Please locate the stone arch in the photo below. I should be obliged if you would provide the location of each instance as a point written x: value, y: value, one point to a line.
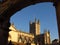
x: 15, y: 5
x: 9, y: 7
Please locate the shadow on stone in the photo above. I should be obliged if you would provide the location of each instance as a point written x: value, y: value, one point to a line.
x: 10, y: 43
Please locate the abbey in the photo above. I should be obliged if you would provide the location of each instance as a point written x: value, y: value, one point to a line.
x: 34, y: 37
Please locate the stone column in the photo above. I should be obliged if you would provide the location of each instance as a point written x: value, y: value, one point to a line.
x: 57, y: 6
x: 4, y: 30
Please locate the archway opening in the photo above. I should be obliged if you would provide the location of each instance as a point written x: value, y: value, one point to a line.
x: 45, y: 12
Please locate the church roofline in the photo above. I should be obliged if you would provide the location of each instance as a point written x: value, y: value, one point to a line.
x: 16, y: 30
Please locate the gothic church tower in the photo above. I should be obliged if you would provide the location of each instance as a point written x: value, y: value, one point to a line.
x: 47, y: 37
x: 35, y: 27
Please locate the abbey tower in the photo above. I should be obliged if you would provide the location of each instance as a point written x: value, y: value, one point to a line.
x: 35, y: 27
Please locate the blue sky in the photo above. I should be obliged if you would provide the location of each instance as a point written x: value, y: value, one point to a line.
x: 45, y: 12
